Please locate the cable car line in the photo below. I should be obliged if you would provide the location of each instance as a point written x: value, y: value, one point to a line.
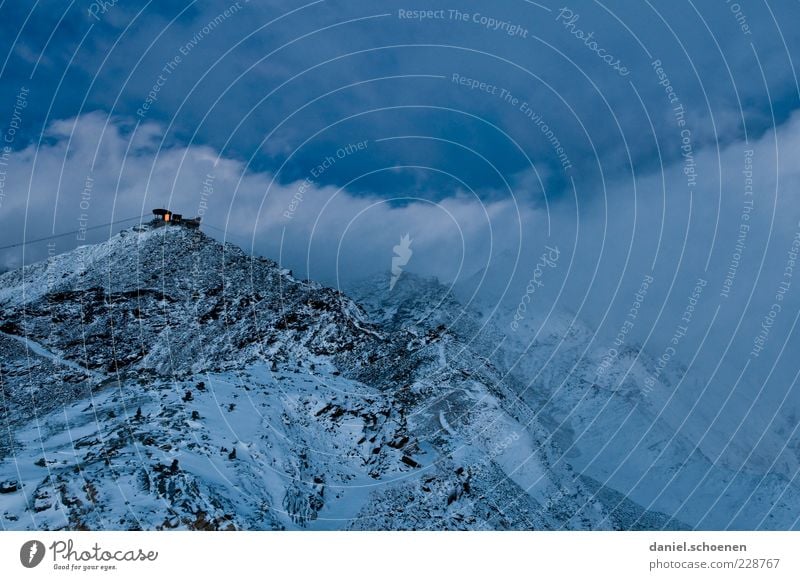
x: 54, y: 236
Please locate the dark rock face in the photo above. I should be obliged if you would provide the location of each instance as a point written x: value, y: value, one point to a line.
x: 9, y: 486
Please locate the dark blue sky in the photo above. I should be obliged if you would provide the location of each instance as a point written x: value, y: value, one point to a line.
x: 278, y: 81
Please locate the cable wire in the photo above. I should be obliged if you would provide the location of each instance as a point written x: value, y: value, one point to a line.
x: 54, y: 236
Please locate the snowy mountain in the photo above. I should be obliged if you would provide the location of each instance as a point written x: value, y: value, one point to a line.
x: 163, y: 380
x: 640, y: 429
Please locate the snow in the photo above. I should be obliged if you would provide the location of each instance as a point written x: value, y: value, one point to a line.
x: 309, y: 410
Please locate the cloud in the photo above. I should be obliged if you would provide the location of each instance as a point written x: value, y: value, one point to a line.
x: 129, y: 175
x: 620, y: 232
x: 97, y: 169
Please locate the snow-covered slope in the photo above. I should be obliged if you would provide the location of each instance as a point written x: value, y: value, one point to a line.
x: 163, y: 380
x: 424, y: 306
x: 640, y: 429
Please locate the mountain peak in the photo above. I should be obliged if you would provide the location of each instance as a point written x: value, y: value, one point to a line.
x: 163, y: 298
